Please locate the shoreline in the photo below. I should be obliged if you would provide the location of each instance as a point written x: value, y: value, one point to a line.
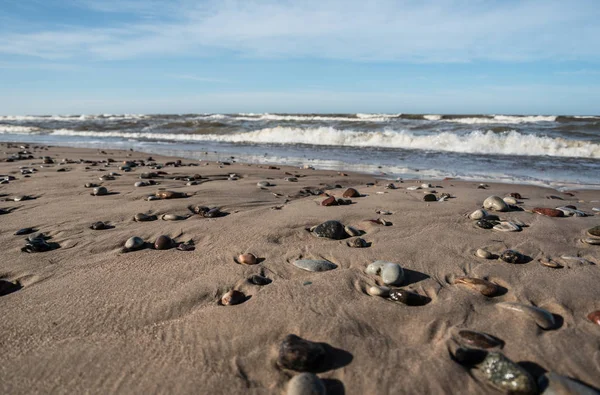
x: 90, y: 318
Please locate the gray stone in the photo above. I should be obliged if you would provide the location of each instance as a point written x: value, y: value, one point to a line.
x: 555, y: 384
x: 314, y: 265
x: 506, y: 375
x: 134, y: 243
x: 306, y: 384
x: 495, y: 203
x: 375, y: 268
x: 330, y: 229
x: 543, y: 318
x: 392, y: 274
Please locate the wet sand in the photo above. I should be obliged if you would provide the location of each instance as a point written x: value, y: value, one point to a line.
x: 89, y: 318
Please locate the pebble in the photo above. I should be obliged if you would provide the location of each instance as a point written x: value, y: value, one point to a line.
x: 259, y: 280
x: 291, y: 179
x: 594, y: 316
x: 233, y: 297
x: 350, y: 193
x: 549, y: 212
x: 486, y: 224
x: 509, y: 200
x: 516, y: 195
x: 391, y: 273
x: 170, y: 195
x: 430, y: 197
x: 330, y: 229
x: 485, y: 254
x: 141, y: 184
x: 151, y: 198
x: 247, y: 259
x: 99, y: 226
x: 263, y: 184
x: 141, y: 217
x: 571, y: 212
x: 485, y: 287
x: 495, y: 203
x: 306, y: 384
x: 408, y: 298
x: 375, y: 268
x: 390, y: 186
x: 377, y: 290
x: 554, y: 384
x: 479, y: 339
x: 163, y: 243
x: 24, y: 231
x: 426, y: 186
x: 173, y: 217
x: 554, y: 197
x: 7, y: 287
x: 330, y: 201
x: 99, y: 191
x: 512, y: 256
x: 478, y: 214
x: 543, y: 318
x: 134, y: 243
x: 506, y: 375
x: 591, y: 241
x: 314, y: 265
x: 594, y: 232
x: 296, y: 353
x: 357, y: 243
x: 507, y: 226
x: 550, y: 263
x: 90, y: 185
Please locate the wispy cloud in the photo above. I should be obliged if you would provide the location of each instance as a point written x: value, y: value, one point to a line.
x: 385, y: 30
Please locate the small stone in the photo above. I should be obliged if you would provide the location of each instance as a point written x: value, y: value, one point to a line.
x: 233, y: 297
x: 511, y: 256
x: 357, y: 243
x: 330, y: 201
x: 376, y: 290
x: 100, y: 191
x: 263, y: 184
x: 392, y: 274
x: 134, y: 243
x: 571, y: 212
x: 408, y: 298
x: 247, y: 259
x: 173, y: 217
x: 554, y: 384
x: 375, y: 268
x: 291, y: 179
x: 151, y: 198
x: 478, y: 214
x: 390, y: 186
x: 516, y: 195
x: 506, y: 375
x: 350, y: 193
x: 141, y: 217
x: 24, y: 231
x: 343, y: 202
x: 549, y: 212
x: 550, y: 263
x: 314, y: 265
x: 141, y: 184
x: 300, y: 355
x: 543, y: 318
x: 413, y: 188
x: 306, y: 384
x: 170, y: 195
x: 99, y: 226
x: 594, y: 232
x: 430, y: 197
x: 484, y: 287
x: 259, y: 280
x: 383, y: 212
x: 594, y: 316
x: 163, y: 243
x: 507, y: 226
x: 426, y: 186
x: 510, y: 200
x: 352, y: 231
x: 591, y: 241
x: 495, y: 203
x: 481, y: 253
x: 479, y: 339
x: 330, y: 229
x: 486, y: 224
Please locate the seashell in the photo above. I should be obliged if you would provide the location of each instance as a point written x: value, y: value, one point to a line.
x: 550, y: 263
x: 350, y: 193
x: 357, y: 243
x: 594, y: 232
x: 247, y: 259
x: 134, y: 243
x: 594, y: 316
x: 306, y: 384
x: 259, y: 280
x: 478, y: 214
x: 571, y: 212
x: 549, y: 212
x: 392, y: 273
x: 495, y: 203
x: 163, y: 243
x: 408, y: 298
x: 296, y: 353
x: 170, y: 195
x: 99, y: 191
x: 506, y: 375
x: 141, y: 217
x: 591, y: 241
x: 233, y: 297
x: 173, y: 217
x: 511, y: 256
x: 543, y: 318
x: 509, y: 200
x: 330, y: 229
x: 481, y: 253
x: 430, y: 197
x: 314, y: 265
x: 507, y: 226
x: 99, y: 226
x: 555, y: 384
x: 378, y: 291
x: 330, y: 201
x: 479, y: 339
x: 485, y: 287
x: 263, y: 184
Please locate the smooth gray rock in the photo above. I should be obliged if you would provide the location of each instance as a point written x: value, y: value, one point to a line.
x: 314, y: 265
x: 555, y: 384
x: 306, y: 384
x: 495, y: 203
x: 375, y: 268
x: 134, y: 243
x: 392, y: 274
x: 543, y: 318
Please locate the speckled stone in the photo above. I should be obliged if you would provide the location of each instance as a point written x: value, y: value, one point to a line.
x: 506, y: 375
x: 306, y: 384
x: 358, y: 242
x: 331, y: 230
x: 314, y: 265
x: 549, y: 212
x: 296, y: 353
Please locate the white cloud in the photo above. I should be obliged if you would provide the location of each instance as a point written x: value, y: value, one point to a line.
x: 380, y: 30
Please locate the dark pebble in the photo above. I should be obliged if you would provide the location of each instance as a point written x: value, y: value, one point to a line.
x: 331, y: 229
x: 24, y: 231
x: 259, y: 280
x: 300, y: 355
x: 408, y: 298
x: 511, y: 256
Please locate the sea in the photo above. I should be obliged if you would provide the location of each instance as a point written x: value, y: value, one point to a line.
x: 562, y: 152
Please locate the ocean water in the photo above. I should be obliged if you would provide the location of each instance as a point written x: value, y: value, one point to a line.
x: 556, y: 151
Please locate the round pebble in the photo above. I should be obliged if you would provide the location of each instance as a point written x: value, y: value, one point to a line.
x: 233, y: 297
x: 350, y: 193
x: 306, y: 384
x: 263, y: 184
x: 495, y: 203
x: 485, y: 254
x: 99, y: 191
x: 379, y: 291
x: 134, y: 243
x: 247, y: 259
x: 163, y: 242
x: 478, y: 214
x: 392, y: 274
x: 430, y: 197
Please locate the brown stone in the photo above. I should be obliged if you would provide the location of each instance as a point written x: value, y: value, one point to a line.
x: 163, y: 243
x: 479, y: 339
x: 549, y: 212
x: 350, y: 193
x: 233, y: 297
x: 330, y: 201
x: 485, y: 287
x: 170, y: 195
x: 247, y: 259
x: 594, y: 316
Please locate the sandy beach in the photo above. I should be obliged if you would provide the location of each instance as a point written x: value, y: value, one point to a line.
x: 86, y: 317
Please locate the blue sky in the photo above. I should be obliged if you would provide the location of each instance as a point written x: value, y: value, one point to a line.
x: 180, y: 56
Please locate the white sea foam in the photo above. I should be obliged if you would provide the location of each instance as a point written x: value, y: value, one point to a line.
x: 432, y: 117
x: 478, y: 142
x: 302, y: 118
x: 503, y: 119
x: 12, y: 129
x: 74, y: 118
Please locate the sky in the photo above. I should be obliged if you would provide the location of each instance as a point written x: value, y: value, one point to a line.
x: 310, y: 56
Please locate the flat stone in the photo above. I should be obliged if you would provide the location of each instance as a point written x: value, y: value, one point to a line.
x: 479, y: 339
x: 507, y: 226
x: 314, y: 265
x: 141, y: 217
x: 550, y: 263
x: 478, y: 214
x: 506, y: 375
x: 259, y: 280
x: 481, y: 253
x: 549, y: 212
x: 350, y: 193
x: 509, y: 200
x: 486, y: 288
x: 300, y: 355
x: 495, y: 203
x: 330, y: 229
x: 554, y: 384
x: 377, y: 290
x: 392, y: 274
x: 543, y: 318
x: 486, y: 224
x: 594, y: 232
x: 330, y: 201
x: 306, y: 384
